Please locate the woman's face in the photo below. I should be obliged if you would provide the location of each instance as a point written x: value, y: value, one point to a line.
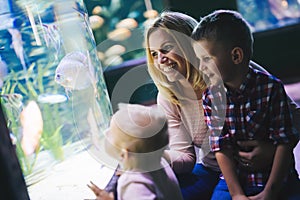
x: 166, y: 55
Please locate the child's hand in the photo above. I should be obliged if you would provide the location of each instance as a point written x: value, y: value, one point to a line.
x: 260, y: 157
x: 240, y: 197
x: 100, y: 194
x: 264, y: 196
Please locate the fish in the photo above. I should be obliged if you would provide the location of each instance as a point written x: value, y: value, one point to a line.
x: 32, y: 127
x: 97, y: 10
x: 76, y: 72
x: 13, y: 102
x: 119, y: 34
x: 51, y: 98
x: 128, y: 23
x: 3, y: 71
x: 115, y: 50
x: 96, y: 21
x: 17, y: 45
x: 150, y: 14
x: 52, y: 37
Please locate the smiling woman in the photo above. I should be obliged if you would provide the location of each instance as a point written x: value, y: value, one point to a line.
x: 166, y: 55
x: 181, y: 100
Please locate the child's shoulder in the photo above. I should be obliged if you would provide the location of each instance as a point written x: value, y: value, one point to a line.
x: 263, y: 76
x: 130, y: 177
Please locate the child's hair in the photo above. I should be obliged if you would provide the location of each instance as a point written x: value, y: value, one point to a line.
x: 227, y: 27
x: 144, y: 128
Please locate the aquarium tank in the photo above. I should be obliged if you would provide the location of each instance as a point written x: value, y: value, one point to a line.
x: 264, y: 15
x: 118, y: 27
x: 52, y: 86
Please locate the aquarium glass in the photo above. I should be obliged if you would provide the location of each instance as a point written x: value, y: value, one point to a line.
x: 118, y: 26
x: 266, y: 15
x: 52, y: 86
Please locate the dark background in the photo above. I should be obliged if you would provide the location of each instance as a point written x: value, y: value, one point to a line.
x: 277, y: 50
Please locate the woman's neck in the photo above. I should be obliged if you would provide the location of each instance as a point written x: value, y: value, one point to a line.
x: 183, y: 89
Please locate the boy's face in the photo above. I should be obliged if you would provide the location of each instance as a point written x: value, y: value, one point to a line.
x: 215, y: 61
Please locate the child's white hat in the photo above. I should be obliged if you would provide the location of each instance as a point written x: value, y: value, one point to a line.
x: 139, y: 121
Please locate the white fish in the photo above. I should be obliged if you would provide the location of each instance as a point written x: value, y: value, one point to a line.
x: 51, y: 98
x: 3, y: 71
x: 150, y: 14
x: 32, y: 127
x: 17, y: 45
x: 128, y: 23
x: 75, y: 72
x: 97, y: 10
x: 52, y: 37
x: 13, y: 102
x: 96, y: 21
x: 115, y: 50
x: 119, y: 34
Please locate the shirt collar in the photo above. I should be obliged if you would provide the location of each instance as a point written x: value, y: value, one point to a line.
x: 243, y: 86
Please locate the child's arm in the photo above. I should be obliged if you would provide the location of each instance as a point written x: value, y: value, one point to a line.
x: 228, y: 168
x: 281, y: 165
x: 282, y: 132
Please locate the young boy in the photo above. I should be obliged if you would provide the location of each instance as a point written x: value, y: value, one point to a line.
x: 255, y: 108
x: 137, y: 137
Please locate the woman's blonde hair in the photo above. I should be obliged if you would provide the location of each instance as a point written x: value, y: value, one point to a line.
x: 180, y: 27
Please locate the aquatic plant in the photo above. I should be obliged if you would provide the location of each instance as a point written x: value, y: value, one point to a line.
x: 41, y: 35
x: 28, y: 85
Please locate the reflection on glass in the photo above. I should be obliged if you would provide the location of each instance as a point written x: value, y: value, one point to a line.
x: 52, y: 87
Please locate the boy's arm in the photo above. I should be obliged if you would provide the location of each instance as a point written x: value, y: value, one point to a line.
x: 280, y: 167
x: 285, y: 137
x: 228, y: 168
x: 215, y: 117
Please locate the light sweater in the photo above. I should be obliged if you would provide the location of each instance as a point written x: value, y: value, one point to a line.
x: 160, y: 184
x: 187, y: 132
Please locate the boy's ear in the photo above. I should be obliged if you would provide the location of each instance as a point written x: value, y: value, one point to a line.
x: 237, y: 55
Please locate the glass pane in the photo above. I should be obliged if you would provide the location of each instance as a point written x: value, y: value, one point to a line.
x: 52, y: 86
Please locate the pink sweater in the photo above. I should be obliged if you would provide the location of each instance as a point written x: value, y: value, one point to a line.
x: 188, y: 132
x: 153, y: 185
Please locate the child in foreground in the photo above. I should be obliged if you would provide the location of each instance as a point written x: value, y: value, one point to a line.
x: 137, y: 137
x: 255, y: 107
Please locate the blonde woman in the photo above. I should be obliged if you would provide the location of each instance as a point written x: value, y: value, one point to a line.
x: 173, y: 67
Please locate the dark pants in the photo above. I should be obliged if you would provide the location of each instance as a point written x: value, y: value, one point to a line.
x: 290, y: 190
x: 199, y: 184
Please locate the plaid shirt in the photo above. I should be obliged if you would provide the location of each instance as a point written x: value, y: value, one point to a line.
x: 259, y: 110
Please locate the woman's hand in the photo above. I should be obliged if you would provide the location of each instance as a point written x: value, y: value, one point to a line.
x: 260, y: 157
x: 100, y: 194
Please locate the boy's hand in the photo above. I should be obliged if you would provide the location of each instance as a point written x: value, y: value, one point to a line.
x: 260, y: 157
x: 264, y: 196
x: 100, y: 194
x: 240, y: 197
